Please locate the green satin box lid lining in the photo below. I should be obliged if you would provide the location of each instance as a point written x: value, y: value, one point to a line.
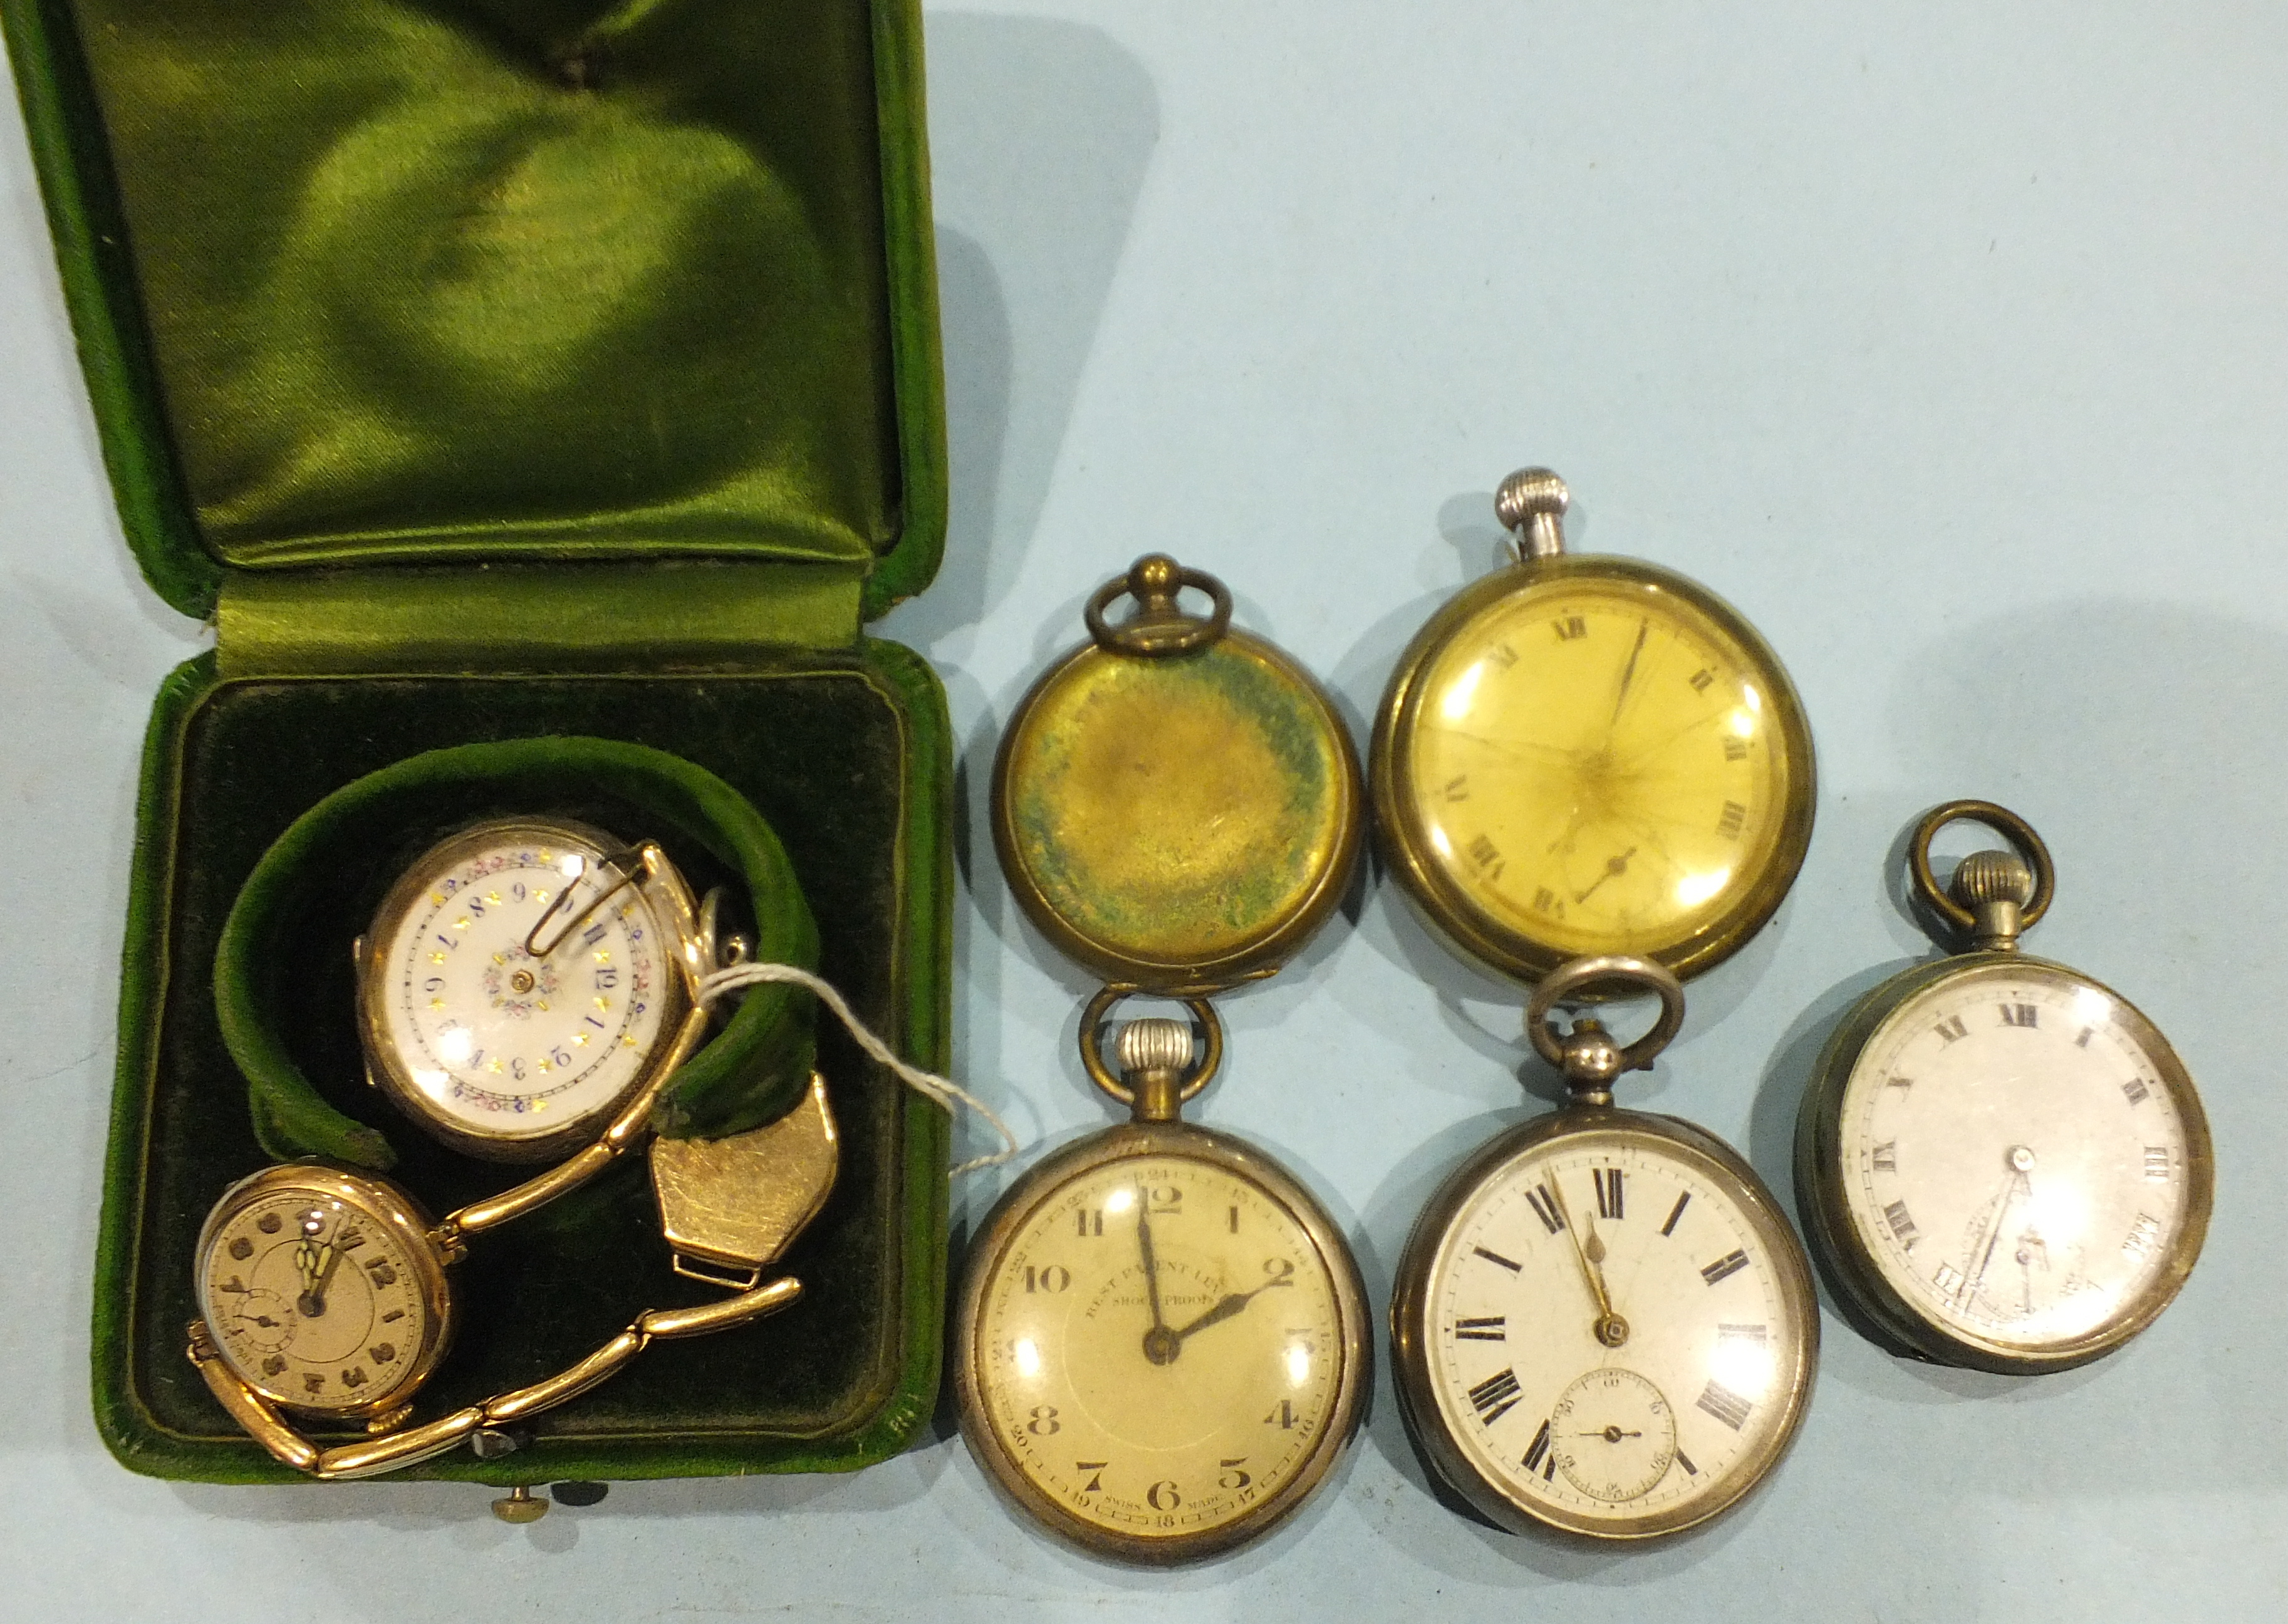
x: 365, y: 284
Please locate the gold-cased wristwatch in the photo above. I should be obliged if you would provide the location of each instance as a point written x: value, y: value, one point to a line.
x: 323, y: 1291
x: 1586, y: 754
x: 323, y: 1297
x: 2002, y: 1162
x: 530, y: 984
x: 522, y: 981
x: 1161, y: 1348
x: 1601, y: 1323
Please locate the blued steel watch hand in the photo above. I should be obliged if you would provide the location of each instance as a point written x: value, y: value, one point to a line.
x: 1230, y: 1303
x: 1614, y: 867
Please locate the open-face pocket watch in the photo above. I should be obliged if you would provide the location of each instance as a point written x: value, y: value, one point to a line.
x: 1602, y: 1323
x: 1584, y: 754
x: 2003, y: 1165
x: 1161, y: 1349
x: 529, y: 985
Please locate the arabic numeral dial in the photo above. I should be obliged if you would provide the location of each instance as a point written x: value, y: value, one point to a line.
x: 1167, y: 1350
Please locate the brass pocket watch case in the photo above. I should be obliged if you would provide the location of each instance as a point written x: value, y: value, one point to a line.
x: 1161, y: 1349
x: 1585, y: 755
x: 2001, y: 1162
x: 1601, y: 1323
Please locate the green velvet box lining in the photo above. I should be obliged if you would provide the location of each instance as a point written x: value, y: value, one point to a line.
x: 848, y: 759
x: 392, y: 282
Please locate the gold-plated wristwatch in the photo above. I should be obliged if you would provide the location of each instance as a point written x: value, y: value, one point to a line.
x: 529, y: 985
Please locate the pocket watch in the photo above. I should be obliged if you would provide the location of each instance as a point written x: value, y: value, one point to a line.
x: 1602, y: 1322
x: 1161, y: 1348
x: 523, y: 981
x: 1585, y: 755
x: 2003, y: 1164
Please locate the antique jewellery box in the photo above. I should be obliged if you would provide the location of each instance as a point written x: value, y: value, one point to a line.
x: 553, y: 377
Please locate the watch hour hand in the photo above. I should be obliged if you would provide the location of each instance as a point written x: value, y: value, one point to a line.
x: 1611, y: 1330
x: 1227, y: 1305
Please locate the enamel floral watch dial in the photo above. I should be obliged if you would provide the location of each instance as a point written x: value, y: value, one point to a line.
x: 1588, y: 755
x: 2005, y: 1162
x: 500, y: 1050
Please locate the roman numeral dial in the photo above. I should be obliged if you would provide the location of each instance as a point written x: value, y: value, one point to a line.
x: 1570, y: 1425
x: 2023, y: 1194
x: 1627, y: 766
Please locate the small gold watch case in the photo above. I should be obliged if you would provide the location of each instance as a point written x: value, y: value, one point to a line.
x: 1161, y: 1350
x: 1585, y: 753
x: 2001, y: 1162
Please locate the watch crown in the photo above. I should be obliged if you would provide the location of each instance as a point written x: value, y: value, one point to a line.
x: 1995, y: 886
x: 1155, y: 1044
x: 1531, y: 505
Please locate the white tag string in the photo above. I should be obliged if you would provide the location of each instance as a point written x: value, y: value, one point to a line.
x: 946, y: 1093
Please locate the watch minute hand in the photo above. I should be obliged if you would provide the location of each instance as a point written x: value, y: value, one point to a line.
x: 1151, y: 1263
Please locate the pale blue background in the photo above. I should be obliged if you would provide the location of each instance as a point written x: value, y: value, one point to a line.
x: 1949, y: 341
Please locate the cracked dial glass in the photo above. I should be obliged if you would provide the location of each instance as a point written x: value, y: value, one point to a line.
x: 1160, y: 1348
x: 1597, y: 765
x: 2015, y: 1161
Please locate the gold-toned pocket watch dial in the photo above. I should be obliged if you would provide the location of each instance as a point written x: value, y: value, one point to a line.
x: 502, y: 1051
x: 1586, y: 756
x: 1605, y: 1328
x: 1163, y: 1350
x: 2024, y: 1163
x: 322, y: 1291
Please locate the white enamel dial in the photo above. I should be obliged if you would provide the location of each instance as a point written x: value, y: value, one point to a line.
x: 2014, y: 1160
x: 484, y: 1040
x: 1618, y: 1334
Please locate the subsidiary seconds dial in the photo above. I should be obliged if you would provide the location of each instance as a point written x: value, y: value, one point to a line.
x: 2018, y: 1168
x: 1615, y: 1342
